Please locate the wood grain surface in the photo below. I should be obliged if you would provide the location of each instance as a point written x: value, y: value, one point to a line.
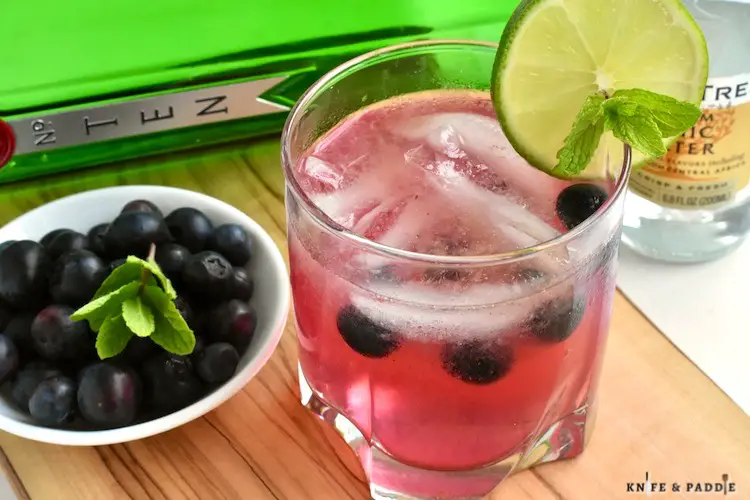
x: 658, y: 413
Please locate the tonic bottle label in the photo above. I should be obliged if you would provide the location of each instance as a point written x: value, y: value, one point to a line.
x: 710, y: 163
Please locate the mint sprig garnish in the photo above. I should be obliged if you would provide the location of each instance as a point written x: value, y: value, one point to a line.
x: 581, y: 143
x: 634, y: 124
x: 637, y: 117
x: 136, y: 299
x: 672, y: 117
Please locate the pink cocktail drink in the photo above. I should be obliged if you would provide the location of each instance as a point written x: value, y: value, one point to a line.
x: 451, y: 301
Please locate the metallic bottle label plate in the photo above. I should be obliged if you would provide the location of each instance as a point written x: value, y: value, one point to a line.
x: 144, y: 116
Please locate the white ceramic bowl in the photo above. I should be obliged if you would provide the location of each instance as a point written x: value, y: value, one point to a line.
x: 271, y: 300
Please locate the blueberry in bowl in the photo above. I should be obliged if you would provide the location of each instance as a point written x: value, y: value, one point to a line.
x: 112, y: 319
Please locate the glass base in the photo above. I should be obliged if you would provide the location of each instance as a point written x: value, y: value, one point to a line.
x: 392, y: 480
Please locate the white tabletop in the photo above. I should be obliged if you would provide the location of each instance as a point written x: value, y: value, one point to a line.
x: 704, y: 309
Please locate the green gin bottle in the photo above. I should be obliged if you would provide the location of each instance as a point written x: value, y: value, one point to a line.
x: 86, y: 83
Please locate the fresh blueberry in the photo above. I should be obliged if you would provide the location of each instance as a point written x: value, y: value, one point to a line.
x: 56, y: 336
x: 363, y: 335
x: 53, y: 401
x: 233, y: 322
x: 24, y: 269
x: 132, y: 233
x: 27, y: 380
x: 200, y: 345
x: 138, y: 350
x: 65, y: 242
x: 557, y: 319
x: 114, y: 265
x: 208, y: 275
x: 47, y: 238
x: 170, y: 383
x: 141, y: 206
x: 217, y: 362
x: 108, y: 268
x: 578, y: 202
x: 76, y: 278
x: 233, y: 242
x: 190, y: 228
x: 171, y: 258
x: 6, y: 244
x: 9, y: 358
x: 186, y: 311
x: 96, y: 240
x: 109, y: 394
x: 201, y: 321
x: 242, y: 284
x: 477, y: 362
x: 5, y: 316
x: 18, y: 330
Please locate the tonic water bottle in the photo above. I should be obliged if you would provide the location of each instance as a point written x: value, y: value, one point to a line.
x: 693, y: 204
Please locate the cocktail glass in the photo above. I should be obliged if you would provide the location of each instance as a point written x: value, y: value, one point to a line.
x: 451, y: 318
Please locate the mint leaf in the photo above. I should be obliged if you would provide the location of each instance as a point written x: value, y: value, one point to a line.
x: 98, y: 310
x: 171, y: 339
x: 138, y: 316
x: 92, y: 307
x: 171, y: 331
x: 634, y: 124
x: 583, y: 140
x: 154, y: 268
x: 112, y: 338
x: 119, y: 277
x: 673, y: 117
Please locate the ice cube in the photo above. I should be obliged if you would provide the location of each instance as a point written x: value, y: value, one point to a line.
x: 423, y: 322
x: 588, y: 244
x: 368, y: 262
x: 499, y: 208
x: 461, y: 135
x: 411, y: 225
x: 414, y: 222
x: 516, y: 215
x: 365, y: 224
x: 437, y: 130
x: 481, y: 294
x: 506, y: 218
x: 322, y: 171
x: 348, y: 204
x: 481, y: 139
x: 550, y: 261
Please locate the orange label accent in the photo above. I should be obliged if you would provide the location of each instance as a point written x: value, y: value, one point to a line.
x: 710, y: 163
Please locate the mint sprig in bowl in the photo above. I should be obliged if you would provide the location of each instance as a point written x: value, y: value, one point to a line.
x: 140, y: 304
x: 137, y: 299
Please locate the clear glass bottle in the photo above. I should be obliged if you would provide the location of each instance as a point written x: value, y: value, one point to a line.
x: 693, y: 205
